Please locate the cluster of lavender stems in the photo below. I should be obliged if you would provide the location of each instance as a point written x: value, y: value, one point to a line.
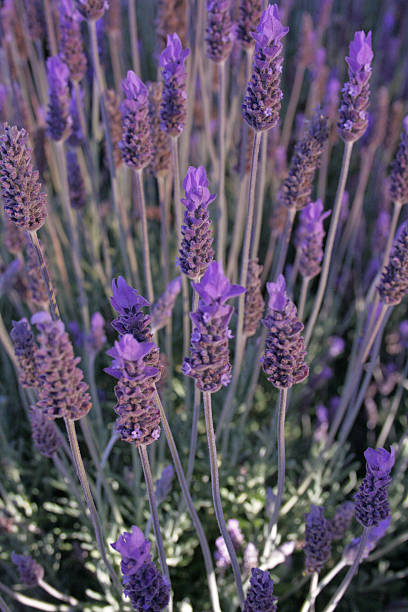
x: 98, y: 144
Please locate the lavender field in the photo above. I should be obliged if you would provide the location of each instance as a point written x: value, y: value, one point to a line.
x: 203, y: 305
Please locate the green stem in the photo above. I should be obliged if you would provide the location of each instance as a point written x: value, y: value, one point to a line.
x: 215, y: 486
x: 348, y: 147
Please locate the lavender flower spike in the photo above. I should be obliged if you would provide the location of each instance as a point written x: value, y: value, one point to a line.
x: 97, y: 337
x: 24, y: 204
x: 173, y: 110
x: 318, y: 540
x: 45, y: 434
x: 139, y: 417
x: 162, y: 309
x: 59, y: 120
x: 260, y: 597
x: 219, y: 32
x: 31, y: 573
x: 196, y: 250
x: 136, y: 143
x: 393, y: 285
x: 209, y: 362
x: 143, y: 583
x: 311, y: 220
x: 353, y: 115
x: 399, y: 173
x: 372, y: 505
x: 61, y: 389
x: 71, y: 45
x: 262, y: 101
x: 284, y: 358
x: 25, y: 349
x: 249, y: 16
x: 91, y: 10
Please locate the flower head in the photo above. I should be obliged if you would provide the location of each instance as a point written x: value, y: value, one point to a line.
x: 215, y: 286
x: 361, y: 54
x: 260, y: 597
x: 249, y: 16
x: 173, y: 110
x: 219, y: 32
x: 311, y: 243
x: 91, y: 10
x: 135, y: 144
x: 399, y: 172
x: 134, y: 549
x: 25, y: 349
x: 393, y: 285
x: 161, y: 154
x: 59, y: 120
x: 372, y: 505
x: 318, y: 540
x: 46, y: 436
x: 70, y: 44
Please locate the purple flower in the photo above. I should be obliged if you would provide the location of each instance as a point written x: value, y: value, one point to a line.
x: 70, y: 42
x: 331, y: 99
x: 76, y: 185
x: 235, y: 532
x: 318, y: 540
x: 59, y: 120
x: 31, y: 573
x: 136, y: 143
x: 340, y: 522
x: 24, y: 204
x: 219, y: 31
x: 262, y: 102
x: 134, y: 549
x: 393, y: 285
x: 249, y: 16
x: 251, y: 556
x: 311, y: 221
x: 375, y: 534
x: 46, y: 436
x: 139, y: 416
x: 173, y: 110
x: 284, y: 358
x: 76, y: 138
x: 209, y: 361
x: 399, y: 173
x: 372, y: 505
x: 91, y: 10
x: 221, y: 555
x: 162, y: 309
x: 353, y: 116
x: 61, y: 389
x: 97, y: 337
x: 25, y: 349
x: 164, y: 484
x: 322, y: 423
x: 260, y: 597
x: 196, y: 250
x: 297, y: 187
x: 336, y: 346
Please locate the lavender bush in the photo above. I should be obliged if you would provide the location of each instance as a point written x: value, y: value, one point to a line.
x: 157, y: 161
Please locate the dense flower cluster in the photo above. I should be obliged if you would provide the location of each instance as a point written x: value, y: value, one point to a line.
x: 25, y: 349
x: 371, y: 501
x: 249, y: 15
x: 115, y: 124
x: 393, y: 285
x: 162, y: 309
x: 46, y: 436
x: 59, y: 120
x: 139, y: 416
x: 254, y: 302
x: 353, y: 115
x: 318, y: 540
x: 196, y: 250
x: 70, y: 42
x: 260, y: 597
x: 135, y: 144
x: 142, y: 582
x: 209, y: 361
x: 262, y: 102
x: 24, y: 204
x: 173, y: 110
x: 399, y: 173
x: 297, y: 187
x: 284, y: 358
x: 219, y: 32
x: 311, y: 222
x: 61, y: 390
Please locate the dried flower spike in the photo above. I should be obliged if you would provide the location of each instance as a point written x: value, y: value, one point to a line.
x: 139, y: 416
x: 284, y: 358
x: 371, y: 502
x: 115, y: 124
x: 135, y: 144
x: 62, y: 391
x: 260, y: 597
x: 173, y: 110
x: 59, y: 120
x: 249, y: 15
x: 70, y: 41
x: 399, y: 172
x: 219, y: 31
x: 318, y: 540
x: 393, y: 285
x: 25, y: 349
x: 209, y: 362
x: 262, y: 102
x: 24, y: 204
x: 196, y: 250
x: 45, y: 434
x: 353, y: 115
x: 171, y: 18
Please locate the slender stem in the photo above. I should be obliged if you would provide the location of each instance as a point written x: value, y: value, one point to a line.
x: 293, y: 102
x: 268, y: 261
x: 310, y: 599
x: 238, y: 227
x: 192, y: 511
x: 215, y: 486
x: 45, y: 274
x: 222, y: 208
x: 350, y: 574
x: 76, y: 455
x: 50, y: 28
x: 256, y: 233
x: 28, y: 601
x: 144, y: 458
x: 206, y: 112
x: 386, y: 428
x: 373, y: 333
x: 283, y: 397
x: 303, y: 295
x: 134, y: 37
x: 145, y: 235
x: 57, y: 594
x: 348, y: 147
x: 323, y: 171
x: 164, y: 230
x: 394, y: 221
x: 194, y: 433
x: 329, y: 576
